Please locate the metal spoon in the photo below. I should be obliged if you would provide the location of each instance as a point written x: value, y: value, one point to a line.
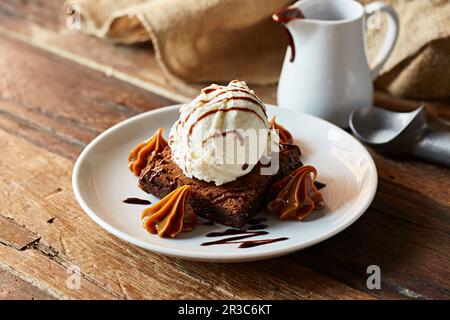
x: 401, y: 133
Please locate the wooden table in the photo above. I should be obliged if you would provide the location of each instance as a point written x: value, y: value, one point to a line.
x: 60, y: 89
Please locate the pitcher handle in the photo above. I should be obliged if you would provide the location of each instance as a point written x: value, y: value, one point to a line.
x: 391, y: 34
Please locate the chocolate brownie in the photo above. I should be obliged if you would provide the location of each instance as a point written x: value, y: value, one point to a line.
x: 231, y: 203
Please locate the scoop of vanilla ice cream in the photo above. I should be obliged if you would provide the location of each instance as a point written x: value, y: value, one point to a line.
x: 222, y: 134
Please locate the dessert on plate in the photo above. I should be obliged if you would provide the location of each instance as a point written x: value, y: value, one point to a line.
x: 224, y: 161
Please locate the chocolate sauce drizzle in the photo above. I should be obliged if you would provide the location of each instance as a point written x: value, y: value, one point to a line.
x: 136, y: 201
x: 208, y: 90
x: 231, y: 240
x: 211, y: 112
x: 254, y: 98
x: 246, y: 235
x: 254, y: 243
x: 227, y: 132
x: 241, y: 234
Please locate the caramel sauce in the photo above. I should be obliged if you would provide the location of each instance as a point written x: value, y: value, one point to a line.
x: 170, y: 215
x: 283, y: 133
x: 296, y: 196
x: 144, y: 152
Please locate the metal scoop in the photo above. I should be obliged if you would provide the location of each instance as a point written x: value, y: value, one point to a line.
x: 401, y: 133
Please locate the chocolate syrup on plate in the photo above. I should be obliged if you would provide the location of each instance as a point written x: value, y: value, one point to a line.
x: 230, y: 240
x: 254, y: 243
x: 243, y: 244
x: 136, y: 201
x: 255, y: 224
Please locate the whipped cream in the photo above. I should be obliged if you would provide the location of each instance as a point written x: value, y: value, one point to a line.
x: 222, y: 134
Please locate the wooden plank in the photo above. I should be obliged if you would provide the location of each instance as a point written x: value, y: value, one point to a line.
x: 43, y: 268
x: 15, y: 235
x: 72, y: 94
x: 111, y: 268
x: 14, y: 288
x: 428, y: 183
x: 75, y: 105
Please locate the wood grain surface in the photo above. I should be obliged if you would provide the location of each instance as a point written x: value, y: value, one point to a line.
x: 60, y: 89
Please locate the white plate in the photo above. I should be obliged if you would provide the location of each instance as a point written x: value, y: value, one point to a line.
x: 101, y: 180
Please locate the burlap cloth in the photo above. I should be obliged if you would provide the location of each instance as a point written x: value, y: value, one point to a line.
x: 219, y: 40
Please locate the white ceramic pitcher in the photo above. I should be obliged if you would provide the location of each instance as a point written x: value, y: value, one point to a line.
x: 325, y: 71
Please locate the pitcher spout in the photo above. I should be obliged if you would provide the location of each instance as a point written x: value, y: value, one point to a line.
x: 287, y: 14
x: 284, y: 16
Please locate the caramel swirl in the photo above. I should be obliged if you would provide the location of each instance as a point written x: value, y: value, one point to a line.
x: 144, y: 152
x: 296, y: 196
x: 283, y: 133
x: 170, y: 215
